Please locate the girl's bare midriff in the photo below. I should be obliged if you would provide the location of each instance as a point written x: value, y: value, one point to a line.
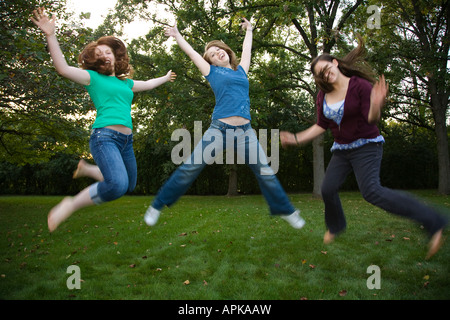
x: 120, y: 128
x: 235, y: 121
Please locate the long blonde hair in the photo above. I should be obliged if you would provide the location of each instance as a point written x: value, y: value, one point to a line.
x: 222, y: 45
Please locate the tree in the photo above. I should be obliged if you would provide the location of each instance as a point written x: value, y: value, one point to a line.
x: 38, y: 109
x: 287, y: 36
x: 413, y: 44
x: 318, y: 25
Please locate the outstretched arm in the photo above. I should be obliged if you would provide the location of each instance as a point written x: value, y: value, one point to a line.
x: 47, y: 25
x: 247, y: 46
x: 302, y: 137
x: 153, y: 83
x: 198, y: 60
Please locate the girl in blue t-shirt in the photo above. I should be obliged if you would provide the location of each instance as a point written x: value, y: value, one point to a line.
x: 229, y: 82
x: 105, y: 72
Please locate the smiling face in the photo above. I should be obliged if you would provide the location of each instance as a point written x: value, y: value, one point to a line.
x: 327, y: 70
x: 218, y: 57
x: 105, y: 56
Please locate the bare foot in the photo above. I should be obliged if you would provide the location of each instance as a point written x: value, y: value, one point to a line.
x: 85, y: 169
x: 79, y: 172
x: 434, y: 244
x: 328, y: 237
x: 59, y: 213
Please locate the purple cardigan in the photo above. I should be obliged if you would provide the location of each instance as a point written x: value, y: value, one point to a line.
x: 354, y: 124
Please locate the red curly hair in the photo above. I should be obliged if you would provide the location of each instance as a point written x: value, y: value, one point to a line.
x: 122, y: 68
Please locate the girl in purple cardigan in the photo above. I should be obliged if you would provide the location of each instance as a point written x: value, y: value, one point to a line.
x: 349, y: 103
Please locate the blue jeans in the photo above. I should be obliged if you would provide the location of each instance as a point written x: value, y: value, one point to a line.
x: 244, y: 138
x: 365, y: 163
x: 114, y: 155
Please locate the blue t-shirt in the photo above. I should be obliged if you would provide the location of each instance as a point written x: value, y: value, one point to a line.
x: 231, y: 90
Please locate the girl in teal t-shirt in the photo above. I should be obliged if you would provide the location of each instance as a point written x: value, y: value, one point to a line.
x: 105, y: 72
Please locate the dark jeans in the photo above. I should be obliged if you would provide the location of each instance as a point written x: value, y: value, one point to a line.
x: 365, y: 163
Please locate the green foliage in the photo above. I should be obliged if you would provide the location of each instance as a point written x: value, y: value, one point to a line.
x: 38, y: 108
x: 53, y: 177
x: 41, y: 112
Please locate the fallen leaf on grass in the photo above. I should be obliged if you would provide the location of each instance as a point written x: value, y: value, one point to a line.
x: 343, y: 293
x: 132, y: 265
x: 186, y: 282
x: 312, y: 266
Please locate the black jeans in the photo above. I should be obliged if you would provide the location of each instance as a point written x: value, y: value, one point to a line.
x: 365, y: 163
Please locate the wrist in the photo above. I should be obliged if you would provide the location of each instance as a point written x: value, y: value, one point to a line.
x: 296, y: 139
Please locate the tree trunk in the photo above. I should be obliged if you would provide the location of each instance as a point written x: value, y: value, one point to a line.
x: 318, y: 164
x: 439, y: 104
x: 232, y: 181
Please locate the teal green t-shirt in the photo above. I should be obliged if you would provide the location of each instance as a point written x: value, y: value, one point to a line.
x: 112, y: 98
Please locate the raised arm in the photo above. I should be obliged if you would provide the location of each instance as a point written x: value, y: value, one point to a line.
x: 377, y: 100
x: 247, y: 46
x: 47, y: 25
x: 153, y: 83
x: 198, y: 60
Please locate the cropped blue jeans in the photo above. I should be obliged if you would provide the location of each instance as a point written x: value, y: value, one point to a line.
x: 114, y: 155
x: 244, y: 138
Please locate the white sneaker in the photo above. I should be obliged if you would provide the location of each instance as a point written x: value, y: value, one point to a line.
x: 151, y: 216
x: 294, y: 219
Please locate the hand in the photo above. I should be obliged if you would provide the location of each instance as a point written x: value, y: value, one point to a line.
x: 379, y: 93
x: 43, y: 22
x: 287, y: 139
x: 171, y: 31
x: 171, y: 76
x: 246, y: 25
x: 377, y: 100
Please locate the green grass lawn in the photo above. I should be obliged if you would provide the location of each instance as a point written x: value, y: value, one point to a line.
x: 216, y: 247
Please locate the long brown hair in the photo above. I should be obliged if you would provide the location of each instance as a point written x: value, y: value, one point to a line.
x: 222, y: 45
x: 122, y: 67
x: 353, y: 64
